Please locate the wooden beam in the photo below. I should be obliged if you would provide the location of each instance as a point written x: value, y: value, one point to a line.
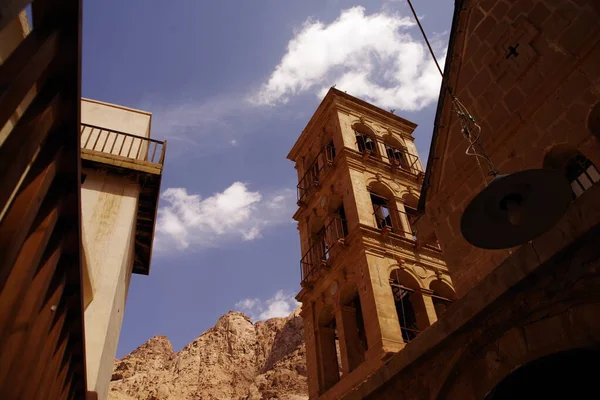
x: 21, y: 329
x: 52, y: 373
x: 62, y: 381
x: 42, y: 359
x: 25, y: 365
x: 18, y: 220
x: 27, y: 262
x: 22, y: 144
x: 24, y: 68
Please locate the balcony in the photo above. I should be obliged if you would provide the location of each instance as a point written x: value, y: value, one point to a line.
x: 314, y: 174
x: 122, y: 150
x: 319, y: 252
x: 126, y: 154
x: 397, y: 157
x: 397, y: 224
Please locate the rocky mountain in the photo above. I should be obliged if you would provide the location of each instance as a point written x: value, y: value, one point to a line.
x: 235, y: 359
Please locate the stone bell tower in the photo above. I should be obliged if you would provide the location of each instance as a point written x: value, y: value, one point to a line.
x: 370, y: 282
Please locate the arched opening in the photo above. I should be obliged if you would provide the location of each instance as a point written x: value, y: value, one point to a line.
x: 328, y: 349
x: 365, y: 139
x: 410, y: 306
x: 578, y: 169
x: 410, y: 208
x: 396, y: 152
x: 354, y: 326
x: 570, y: 374
x: 442, y: 296
x: 383, y: 211
x: 339, y: 228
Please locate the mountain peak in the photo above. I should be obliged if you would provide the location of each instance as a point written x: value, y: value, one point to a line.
x: 235, y: 359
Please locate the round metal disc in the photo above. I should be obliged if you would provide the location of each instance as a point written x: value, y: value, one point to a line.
x: 545, y: 195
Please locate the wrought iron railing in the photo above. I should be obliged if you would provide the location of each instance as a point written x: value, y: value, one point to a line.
x: 398, y: 158
x: 122, y: 144
x: 396, y: 221
x: 401, y: 223
x: 319, y: 251
x: 312, y: 176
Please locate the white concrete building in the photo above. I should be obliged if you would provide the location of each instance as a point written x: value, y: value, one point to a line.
x: 121, y: 173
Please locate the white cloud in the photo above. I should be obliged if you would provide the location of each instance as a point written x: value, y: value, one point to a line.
x: 187, y: 220
x: 280, y: 305
x: 370, y: 56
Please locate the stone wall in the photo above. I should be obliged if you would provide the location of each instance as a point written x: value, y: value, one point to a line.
x: 526, y: 104
x: 534, y: 304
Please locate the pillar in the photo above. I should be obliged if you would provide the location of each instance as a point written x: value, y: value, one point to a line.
x: 430, y: 316
x: 328, y: 363
x: 354, y: 351
x: 312, y: 368
x: 379, y: 311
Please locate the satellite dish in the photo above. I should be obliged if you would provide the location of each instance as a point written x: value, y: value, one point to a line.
x: 514, y: 209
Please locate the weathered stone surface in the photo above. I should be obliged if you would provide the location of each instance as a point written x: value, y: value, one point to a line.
x: 235, y: 359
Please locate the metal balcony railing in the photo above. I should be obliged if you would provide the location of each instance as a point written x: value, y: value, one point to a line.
x: 313, y: 175
x: 318, y: 253
x: 110, y: 141
x: 396, y: 221
x: 398, y: 157
x: 400, y: 223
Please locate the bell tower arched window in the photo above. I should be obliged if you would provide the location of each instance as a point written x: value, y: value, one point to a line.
x: 365, y: 143
x: 410, y: 306
x: 382, y: 212
x: 329, y: 359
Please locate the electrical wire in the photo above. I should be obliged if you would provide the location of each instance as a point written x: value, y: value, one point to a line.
x: 471, y: 130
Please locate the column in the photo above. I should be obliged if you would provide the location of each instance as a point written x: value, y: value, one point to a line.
x: 343, y: 341
x: 405, y: 228
x: 379, y: 311
x: 355, y: 353
x: 328, y: 363
x: 312, y: 365
x: 429, y: 316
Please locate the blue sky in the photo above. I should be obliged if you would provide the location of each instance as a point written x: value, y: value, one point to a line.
x: 231, y: 84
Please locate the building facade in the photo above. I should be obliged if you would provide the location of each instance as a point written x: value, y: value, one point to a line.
x: 81, y: 181
x: 525, y: 323
x: 370, y: 283
x: 121, y: 175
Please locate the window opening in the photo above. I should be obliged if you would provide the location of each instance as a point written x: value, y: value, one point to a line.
x: 412, y: 216
x: 319, y: 247
x: 383, y: 216
x: 330, y: 151
x: 360, y: 323
x: 581, y: 174
x: 403, y: 298
x: 396, y: 156
x: 343, y: 225
x: 365, y: 143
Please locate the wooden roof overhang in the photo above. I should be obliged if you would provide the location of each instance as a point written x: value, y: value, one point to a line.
x: 42, y: 346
